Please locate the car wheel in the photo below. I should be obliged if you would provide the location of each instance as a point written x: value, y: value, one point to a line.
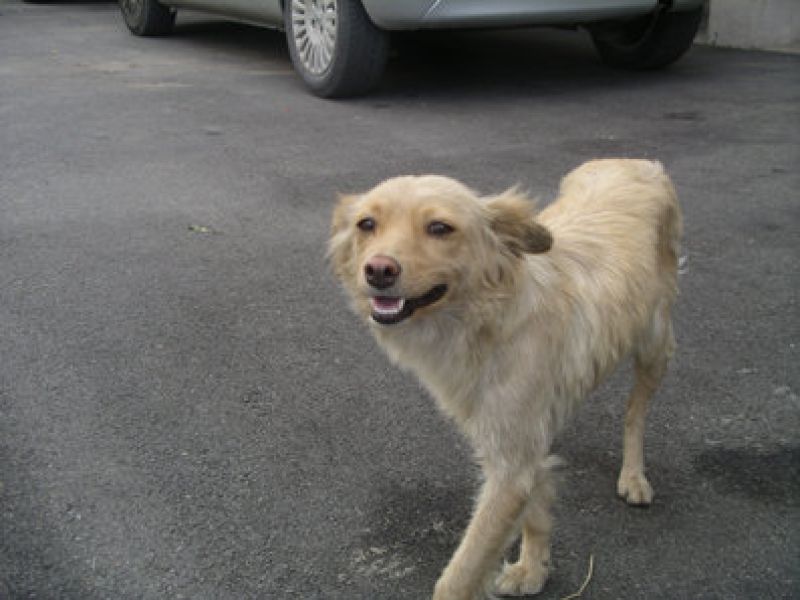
x: 334, y: 46
x: 147, y: 17
x: 651, y: 42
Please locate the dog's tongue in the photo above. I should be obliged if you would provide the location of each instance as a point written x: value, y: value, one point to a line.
x: 386, y: 305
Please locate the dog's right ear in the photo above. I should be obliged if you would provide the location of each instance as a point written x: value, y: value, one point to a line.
x: 511, y: 217
x: 339, y: 245
x: 342, y: 213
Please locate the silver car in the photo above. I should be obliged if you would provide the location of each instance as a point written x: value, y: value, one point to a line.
x: 340, y: 47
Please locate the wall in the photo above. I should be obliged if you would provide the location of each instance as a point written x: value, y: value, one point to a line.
x: 764, y: 24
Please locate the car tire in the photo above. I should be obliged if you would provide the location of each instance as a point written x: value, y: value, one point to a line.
x: 147, y: 17
x: 334, y: 46
x: 651, y: 42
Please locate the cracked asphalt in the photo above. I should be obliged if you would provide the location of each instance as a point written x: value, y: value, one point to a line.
x: 187, y: 408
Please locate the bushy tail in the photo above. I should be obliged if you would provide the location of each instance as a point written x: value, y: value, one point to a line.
x: 670, y: 231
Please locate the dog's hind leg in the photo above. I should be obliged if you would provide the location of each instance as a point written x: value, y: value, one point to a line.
x: 650, y: 364
x: 528, y: 575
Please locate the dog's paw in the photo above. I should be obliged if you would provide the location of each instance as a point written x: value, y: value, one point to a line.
x: 521, y: 579
x: 634, y: 489
x: 445, y: 589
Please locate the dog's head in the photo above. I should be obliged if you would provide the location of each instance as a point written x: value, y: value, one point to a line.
x: 414, y: 245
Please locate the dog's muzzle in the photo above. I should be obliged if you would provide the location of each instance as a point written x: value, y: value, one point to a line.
x: 388, y: 310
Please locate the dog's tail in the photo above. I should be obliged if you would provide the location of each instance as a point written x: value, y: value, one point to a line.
x: 670, y: 227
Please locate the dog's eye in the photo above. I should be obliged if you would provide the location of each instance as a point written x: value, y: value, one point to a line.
x: 367, y: 224
x: 439, y: 229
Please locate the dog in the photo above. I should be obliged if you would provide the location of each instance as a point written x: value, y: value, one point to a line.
x: 510, y: 318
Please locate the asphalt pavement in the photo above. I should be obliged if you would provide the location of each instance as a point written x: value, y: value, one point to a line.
x: 188, y: 409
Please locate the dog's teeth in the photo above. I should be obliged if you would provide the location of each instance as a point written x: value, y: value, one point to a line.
x: 387, y: 306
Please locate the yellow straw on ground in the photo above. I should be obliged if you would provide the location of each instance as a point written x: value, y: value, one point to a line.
x: 585, y: 581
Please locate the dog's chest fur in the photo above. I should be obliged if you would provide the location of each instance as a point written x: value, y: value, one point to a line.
x: 481, y: 375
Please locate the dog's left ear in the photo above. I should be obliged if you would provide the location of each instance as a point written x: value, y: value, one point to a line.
x: 511, y: 217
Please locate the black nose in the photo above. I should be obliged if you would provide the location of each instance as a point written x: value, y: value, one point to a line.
x: 381, y: 272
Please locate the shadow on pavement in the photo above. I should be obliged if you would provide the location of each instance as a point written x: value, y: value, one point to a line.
x: 762, y: 476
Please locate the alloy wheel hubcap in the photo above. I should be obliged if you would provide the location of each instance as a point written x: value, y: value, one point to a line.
x: 314, y: 29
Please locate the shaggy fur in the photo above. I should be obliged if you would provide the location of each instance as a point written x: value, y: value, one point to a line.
x: 538, y: 309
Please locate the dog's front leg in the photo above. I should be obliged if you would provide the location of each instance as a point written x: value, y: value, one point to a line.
x: 528, y: 575
x: 500, y: 506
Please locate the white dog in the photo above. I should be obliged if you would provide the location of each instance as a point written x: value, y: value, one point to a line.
x: 511, y: 318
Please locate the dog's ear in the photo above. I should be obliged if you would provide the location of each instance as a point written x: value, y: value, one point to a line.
x: 341, y: 214
x: 511, y: 217
x: 340, y: 242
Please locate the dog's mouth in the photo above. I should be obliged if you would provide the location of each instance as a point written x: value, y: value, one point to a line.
x: 388, y: 310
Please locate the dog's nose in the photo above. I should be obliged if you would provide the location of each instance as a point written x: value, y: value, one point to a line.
x: 381, y: 272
